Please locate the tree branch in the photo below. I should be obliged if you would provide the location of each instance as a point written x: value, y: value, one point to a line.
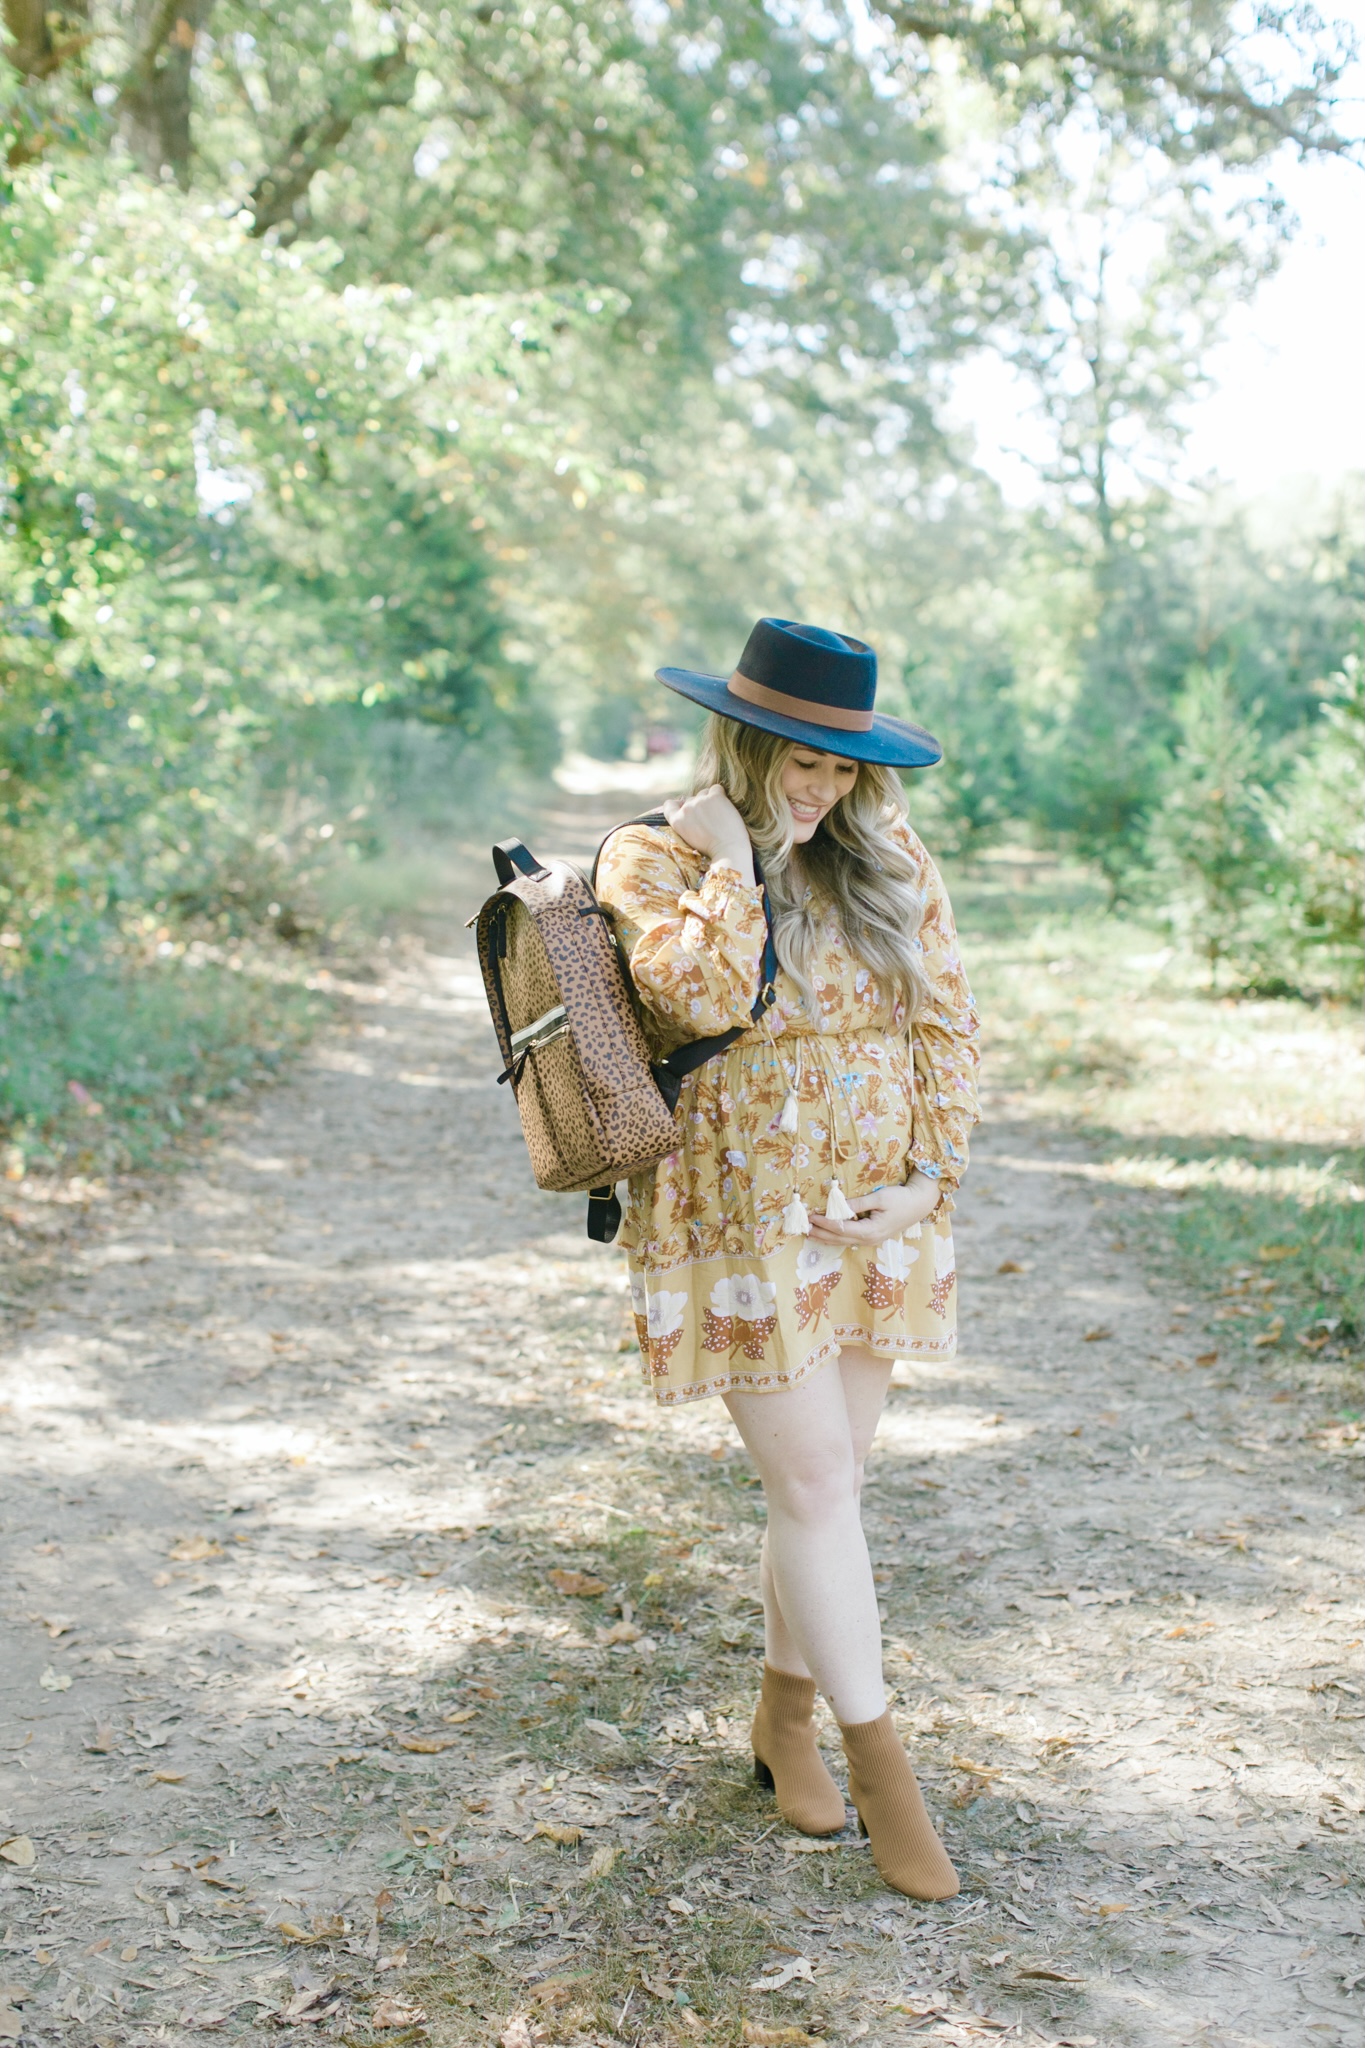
x: 1298, y: 117
x: 385, y: 81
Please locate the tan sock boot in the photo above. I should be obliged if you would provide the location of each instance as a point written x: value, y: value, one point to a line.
x: 786, y: 1758
x: 882, y: 1786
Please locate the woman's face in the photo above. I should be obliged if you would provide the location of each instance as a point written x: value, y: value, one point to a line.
x: 813, y: 784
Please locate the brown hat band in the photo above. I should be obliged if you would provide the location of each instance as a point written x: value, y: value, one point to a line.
x: 837, y: 716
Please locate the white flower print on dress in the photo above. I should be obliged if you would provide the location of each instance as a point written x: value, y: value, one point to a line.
x: 814, y: 1261
x: 665, y: 1313
x: 819, y: 1268
x: 895, y: 1258
x: 743, y: 1295
x: 740, y: 1314
x: 884, y: 1287
x: 945, y: 1274
x: 661, y: 1328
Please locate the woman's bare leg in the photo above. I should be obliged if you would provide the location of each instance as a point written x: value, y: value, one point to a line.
x: 820, y: 1605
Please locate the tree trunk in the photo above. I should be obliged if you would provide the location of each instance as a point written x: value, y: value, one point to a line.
x: 28, y: 39
x: 154, y: 104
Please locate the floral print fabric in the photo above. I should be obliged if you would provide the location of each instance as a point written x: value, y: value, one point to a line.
x: 728, y: 1291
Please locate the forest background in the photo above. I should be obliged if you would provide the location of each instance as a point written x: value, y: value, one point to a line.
x: 388, y: 391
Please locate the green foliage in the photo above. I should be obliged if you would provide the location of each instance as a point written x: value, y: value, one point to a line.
x: 1210, y: 847
x: 1317, y: 823
x: 1312, y: 1249
x: 105, y: 1063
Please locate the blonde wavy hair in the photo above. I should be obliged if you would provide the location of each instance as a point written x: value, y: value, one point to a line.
x: 852, y: 865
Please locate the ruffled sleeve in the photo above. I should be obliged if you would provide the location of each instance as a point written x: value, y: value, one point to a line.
x: 694, y: 943
x: 944, y: 1038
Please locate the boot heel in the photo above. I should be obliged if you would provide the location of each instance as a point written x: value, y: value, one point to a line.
x: 762, y: 1775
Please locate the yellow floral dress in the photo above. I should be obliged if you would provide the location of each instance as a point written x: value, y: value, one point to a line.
x: 728, y: 1291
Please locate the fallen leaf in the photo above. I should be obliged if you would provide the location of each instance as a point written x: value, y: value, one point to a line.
x: 557, y: 1990
x: 1098, y: 1334
x: 1277, y: 1251
x: 19, y: 1849
x: 1011, y: 1266
x: 518, y: 2033
x: 799, y: 1969
x: 55, y: 1681
x: 397, y: 1961
x: 619, y: 1632
x: 756, y: 2036
x: 104, y: 1741
x: 565, y: 1838
x: 1046, y: 1976
x: 194, y: 1550
x: 691, y: 2020
x: 444, y: 1894
x: 293, y: 1932
x: 302, y: 2005
x: 11, y: 2026
x: 465, y: 1714
x: 1206, y: 1358
x: 603, y: 1861
x: 964, y: 1763
x: 809, y: 1848
x: 129, y: 1954
x: 576, y: 1585
x: 168, y: 1777
x: 383, y: 1903
x: 1107, y: 1910
x: 327, y: 1926
x: 606, y: 1735
x: 682, y: 1907
x: 1270, y: 1336
x: 424, y: 1745
x: 14, y: 1994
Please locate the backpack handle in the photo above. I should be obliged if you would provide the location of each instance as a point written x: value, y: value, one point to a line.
x: 511, y: 857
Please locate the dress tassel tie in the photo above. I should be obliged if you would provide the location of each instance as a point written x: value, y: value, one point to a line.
x: 836, y: 1205
x: 789, y: 1121
x: 795, y: 1218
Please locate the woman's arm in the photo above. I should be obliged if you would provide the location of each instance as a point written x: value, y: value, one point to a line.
x: 695, y: 947
x: 944, y: 1041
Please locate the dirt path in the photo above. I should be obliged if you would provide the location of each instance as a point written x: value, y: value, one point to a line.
x: 306, y: 1740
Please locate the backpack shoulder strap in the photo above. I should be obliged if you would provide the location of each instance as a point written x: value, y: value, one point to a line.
x: 654, y: 818
x: 670, y: 1073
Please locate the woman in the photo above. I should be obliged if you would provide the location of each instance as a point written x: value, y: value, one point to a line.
x: 797, y: 1242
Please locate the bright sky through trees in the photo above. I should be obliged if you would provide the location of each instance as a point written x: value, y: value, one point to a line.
x: 1288, y: 403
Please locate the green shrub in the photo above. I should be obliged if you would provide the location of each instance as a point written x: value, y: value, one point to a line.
x: 104, y: 1063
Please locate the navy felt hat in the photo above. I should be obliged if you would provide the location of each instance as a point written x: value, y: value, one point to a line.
x: 812, y: 686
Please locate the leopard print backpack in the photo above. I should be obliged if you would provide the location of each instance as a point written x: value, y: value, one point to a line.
x: 595, y: 1108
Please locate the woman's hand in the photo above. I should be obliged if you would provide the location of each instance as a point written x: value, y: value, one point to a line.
x: 887, y: 1213
x: 710, y: 822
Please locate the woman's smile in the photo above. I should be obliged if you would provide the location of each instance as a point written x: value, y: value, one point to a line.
x: 813, y: 784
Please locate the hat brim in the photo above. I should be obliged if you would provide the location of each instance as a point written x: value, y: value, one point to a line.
x: 891, y: 742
